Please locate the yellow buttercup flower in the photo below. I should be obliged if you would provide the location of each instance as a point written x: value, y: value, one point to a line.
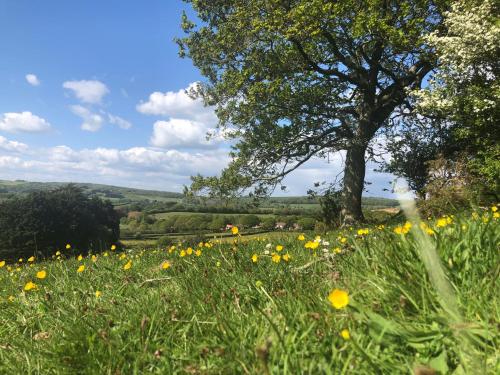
x: 165, y: 265
x: 94, y: 258
x: 81, y: 269
x: 98, y: 294
x: 68, y: 246
x: 29, y: 286
x: 255, y: 258
x: 345, y: 334
x: 41, y: 274
x: 286, y: 257
x: 80, y: 257
x: 301, y: 237
x: 2, y: 263
x: 279, y: 247
x: 122, y: 256
x: 20, y: 260
x: 235, y: 230
x: 127, y: 265
x: 362, y: 232
x: 182, y: 253
x: 31, y: 259
x: 189, y: 251
x: 338, y: 298
x: 113, y: 247
x: 276, y: 258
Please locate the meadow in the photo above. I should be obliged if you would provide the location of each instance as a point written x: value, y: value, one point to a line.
x: 353, y: 301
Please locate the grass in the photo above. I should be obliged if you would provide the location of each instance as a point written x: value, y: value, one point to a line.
x: 222, y: 313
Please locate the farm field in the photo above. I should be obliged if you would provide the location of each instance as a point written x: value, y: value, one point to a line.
x: 356, y: 301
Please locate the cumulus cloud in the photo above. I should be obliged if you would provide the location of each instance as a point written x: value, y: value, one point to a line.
x: 32, y: 79
x: 90, y: 92
x: 92, y: 122
x: 182, y: 133
x: 120, y: 122
x: 178, y: 104
x: 13, y: 122
x: 12, y: 146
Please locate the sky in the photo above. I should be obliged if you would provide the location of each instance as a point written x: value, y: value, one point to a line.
x: 94, y: 91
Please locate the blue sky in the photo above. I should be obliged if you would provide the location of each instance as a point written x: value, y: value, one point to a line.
x: 93, y: 91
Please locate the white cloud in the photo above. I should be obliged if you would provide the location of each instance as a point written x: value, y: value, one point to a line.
x: 13, y: 122
x: 32, y: 79
x: 12, y: 146
x: 91, y: 121
x: 178, y: 105
x: 116, y: 120
x: 181, y: 133
x: 90, y: 92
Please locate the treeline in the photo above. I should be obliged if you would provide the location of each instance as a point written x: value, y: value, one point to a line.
x: 44, y: 221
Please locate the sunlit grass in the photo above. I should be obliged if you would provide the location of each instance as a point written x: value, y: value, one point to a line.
x: 219, y: 309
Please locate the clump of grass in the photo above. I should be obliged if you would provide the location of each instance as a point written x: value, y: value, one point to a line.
x: 219, y: 311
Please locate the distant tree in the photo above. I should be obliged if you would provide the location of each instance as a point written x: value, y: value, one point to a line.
x: 269, y: 223
x: 48, y: 220
x: 248, y: 221
x: 307, y: 223
x: 293, y: 80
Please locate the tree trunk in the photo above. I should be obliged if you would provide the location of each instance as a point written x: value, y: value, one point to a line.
x: 354, y: 178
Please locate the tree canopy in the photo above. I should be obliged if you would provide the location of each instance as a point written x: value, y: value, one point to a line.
x: 297, y: 79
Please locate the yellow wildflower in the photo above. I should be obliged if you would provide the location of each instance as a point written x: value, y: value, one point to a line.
x: 276, y: 258
x: 2, y: 263
x: 20, y: 260
x: 165, y: 265
x: 41, y: 274
x: 494, y: 208
x: 364, y: 231
x: 345, y: 334
x: 98, y: 294
x: 217, y: 264
x: 343, y: 240
x: 105, y: 254
x: 122, y: 256
x: 197, y: 253
x: 311, y: 245
x: 58, y: 253
x: 182, y: 253
x: 81, y: 268
x: 189, y: 251
x: 235, y: 230
x: 31, y: 259
x: 68, y: 246
x: 94, y: 258
x: 113, y: 247
x: 29, y: 286
x: 11, y: 298
x: 127, y: 265
x: 301, y: 237
x: 80, y: 257
x: 338, y: 298
x: 255, y: 258
x: 496, y: 215
x: 286, y: 257
x: 279, y: 247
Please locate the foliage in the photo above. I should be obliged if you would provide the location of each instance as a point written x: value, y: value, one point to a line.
x: 220, y: 312
x: 47, y: 220
x: 300, y: 79
x: 465, y: 89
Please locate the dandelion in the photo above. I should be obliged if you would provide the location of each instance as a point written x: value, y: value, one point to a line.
x: 258, y: 283
x: 58, y: 253
x: 2, y: 263
x: 235, y: 230
x: 68, y: 246
x: 182, y: 253
x: 276, y: 258
x: 31, y: 259
x: 311, y: 245
x: 279, y: 247
x: 345, y: 334
x: 98, y: 294
x: 197, y: 253
x: 301, y: 237
x: 41, y: 274
x: 94, y: 258
x: 81, y: 269
x: 286, y: 257
x: 496, y: 215
x: 362, y: 232
x: 127, y: 265
x: 441, y: 223
x: 165, y: 265
x: 343, y: 240
x: 113, y: 247
x: 20, y: 260
x: 80, y: 257
x: 105, y: 254
x: 337, y: 250
x: 255, y: 258
x: 189, y: 251
x: 338, y: 298
x: 494, y: 208
x: 29, y: 286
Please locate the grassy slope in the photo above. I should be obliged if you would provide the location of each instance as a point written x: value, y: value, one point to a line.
x: 206, y: 315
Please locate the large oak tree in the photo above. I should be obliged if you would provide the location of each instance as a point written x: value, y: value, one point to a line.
x: 297, y: 79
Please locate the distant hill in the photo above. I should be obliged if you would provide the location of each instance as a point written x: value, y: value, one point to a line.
x: 166, y: 199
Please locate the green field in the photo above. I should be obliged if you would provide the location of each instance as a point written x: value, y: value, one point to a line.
x: 219, y: 312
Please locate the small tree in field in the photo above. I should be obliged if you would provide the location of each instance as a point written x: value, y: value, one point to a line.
x: 297, y: 79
